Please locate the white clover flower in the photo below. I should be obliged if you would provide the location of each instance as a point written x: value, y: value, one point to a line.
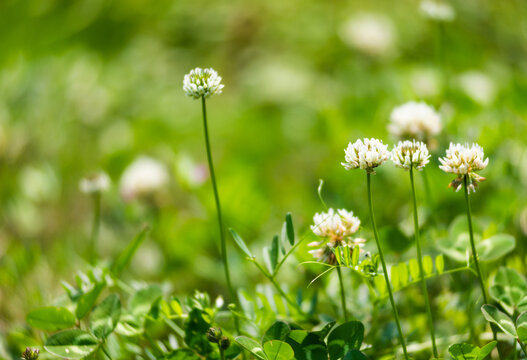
x: 202, y: 83
x: 365, y: 154
x: 335, y: 225
x: 437, y: 10
x: 95, y: 183
x: 478, y: 86
x: 144, y: 176
x: 407, y: 154
x: 373, y: 34
x: 414, y: 120
x: 464, y: 160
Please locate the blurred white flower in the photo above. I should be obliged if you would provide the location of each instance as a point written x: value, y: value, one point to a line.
x: 372, y: 34
x: 144, y: 176
x: 335, y: 225
x: 365, y: 154
x: 202, y: 82
x: 478, y: 86
x: 438, y: 10
x: 95, y: 183
x: 464, y: 160
x: 409, y: 154
x: 425, y: 83
x: 414, y: 120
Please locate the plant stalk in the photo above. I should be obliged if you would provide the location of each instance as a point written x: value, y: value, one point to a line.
x: 218, y: 211
x: 96, y: 225
x: 385, y: 269
x: 420, y: 262
x: 342, y: 294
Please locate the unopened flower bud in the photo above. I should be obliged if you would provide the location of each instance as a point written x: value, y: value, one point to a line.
x: 225, y: 343
x: 214, y: 335
x: 30, y: 354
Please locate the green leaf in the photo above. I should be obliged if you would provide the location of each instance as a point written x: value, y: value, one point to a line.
x: 394, y: 277
x: 105, y: 316
x: 241, y: 243
x: 486, y: 350
x: 273, y: 253
x: 344, y: 338
x: 380, y: 284
x: 495, y: 247
x: 196, y: 328
x: 440, y: 264
x: 278, y: 350
x: 71, y: 344
x: 51, y: 318
x: 403, y: 273
x: 493, y: 315
x: 355, y: 255
x: 509, y: 288
x: 252, y: 346
x: 521, y: 326
x: 290, y: 229
x: 325, y: 330
x: 428, y: 265
x: 355, y: 355
x: 141, y: 302
x: 414, y: 269
x: 278, y: 331
x: 306, y: 345
x: 125, y: 257
x: 88, y: 299
x: 464, y: 351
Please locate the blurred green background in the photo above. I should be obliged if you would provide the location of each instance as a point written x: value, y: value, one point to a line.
x: 93, y: 85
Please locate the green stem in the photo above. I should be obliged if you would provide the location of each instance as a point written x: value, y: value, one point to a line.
x: 278, y: 288
x: 218, y: 211
x: 96, y: 225
x: 475, y: 255
x: 420, y: 262
x: 522, y: 345
x: 222, y: 352
x: 342, y: 295
x: 385, y: 269
x: 284, y: 258
x: 472, y: 243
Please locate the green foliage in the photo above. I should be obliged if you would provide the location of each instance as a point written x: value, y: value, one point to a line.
x: 51, y: 318
x: 344, y: 338
x: 71, y: 344
x: 466, y: 351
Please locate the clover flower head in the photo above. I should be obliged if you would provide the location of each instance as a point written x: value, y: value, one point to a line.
x: 365, y: 154
x: 407, y: 154
x: 372, y: 34
x: 464, y: 159
x: 414, y: 120
x: 323, y: 251
x: 202, y: 83
x: 144, y: 176
x: 437, y: 10
x: 95, y: 183
x: 335, y: 225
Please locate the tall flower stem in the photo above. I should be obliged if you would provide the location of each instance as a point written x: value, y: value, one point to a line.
x: 342, y: 294
x: 475, y: 254
x: 96, y: 225
x: 472, y: 243
x: 218, y: 210
x: 385, y: 269
x: 420, y: 262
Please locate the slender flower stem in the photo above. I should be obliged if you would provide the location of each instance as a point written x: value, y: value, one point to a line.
x: 222, y: 352
x: 420, y: 262
x: 472, y: 243
x: 385, y: 269
x: 475, y: 255
x: 218, y: 211
x: 96, y: 225
x: 342, y: 295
